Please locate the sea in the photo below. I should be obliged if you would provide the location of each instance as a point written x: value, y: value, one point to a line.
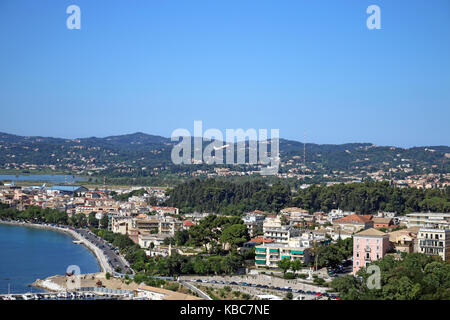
x: 28, y: 253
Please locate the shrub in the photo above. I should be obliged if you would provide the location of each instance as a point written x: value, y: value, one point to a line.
x: 246, y: 296
x: 289, y: 275
x: 319, y: 281
x: 173, y: 286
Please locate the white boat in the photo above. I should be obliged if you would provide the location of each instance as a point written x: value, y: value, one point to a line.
x: 27, y: 296
x: 77, y: 241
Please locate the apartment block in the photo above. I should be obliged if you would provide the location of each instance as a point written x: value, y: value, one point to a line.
x: 269, y: 254
x: 435, y: 242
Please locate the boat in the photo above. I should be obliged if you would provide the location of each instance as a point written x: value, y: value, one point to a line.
x: 77, y: 241
x: 27, y: 296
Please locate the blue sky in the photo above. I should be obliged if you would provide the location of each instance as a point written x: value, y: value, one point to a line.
x: 299, y: 66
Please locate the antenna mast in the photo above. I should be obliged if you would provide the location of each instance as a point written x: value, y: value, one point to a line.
x: 304, y: 150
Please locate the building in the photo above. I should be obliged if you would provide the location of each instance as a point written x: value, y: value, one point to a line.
x: 379, y: 222
x: 369, y: 245
x: 69, y: 190
x: 273, y: 229
x: 435, y: 242
x: 146, y: 240
x: 121, y: 224
x: 430, y: 220
x: 254, y: 223
x: 187, y: 224
x: 169, y: 225
x: 354, y: 223
x: 404, y: 240
x: 147, y: 225
x: 269, y: 254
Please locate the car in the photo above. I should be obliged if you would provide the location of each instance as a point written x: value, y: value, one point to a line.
x: 318, y: 294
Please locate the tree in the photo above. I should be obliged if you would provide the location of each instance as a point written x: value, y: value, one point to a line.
x: 235, y: 235
x: 104, y: 221
x: 296, y: 265
x: 181, y: 237
x: 92, y: 220
x: 284, y: 264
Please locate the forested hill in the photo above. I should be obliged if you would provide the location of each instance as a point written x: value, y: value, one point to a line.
x: 139, y: 154
x: 369, y: 197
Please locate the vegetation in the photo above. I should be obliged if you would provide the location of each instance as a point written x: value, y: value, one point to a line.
x: 415, y: 276
x: 334, y: 254
x: 236, y: 198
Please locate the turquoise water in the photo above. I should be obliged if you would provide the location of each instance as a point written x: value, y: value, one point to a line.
x: 27, y: 254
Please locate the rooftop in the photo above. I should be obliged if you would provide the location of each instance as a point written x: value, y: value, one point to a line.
x: 371, y: 233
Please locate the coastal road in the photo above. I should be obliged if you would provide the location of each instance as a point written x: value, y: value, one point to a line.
x: 113, y: 259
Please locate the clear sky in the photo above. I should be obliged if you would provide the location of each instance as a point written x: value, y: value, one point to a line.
x: 296, y: 65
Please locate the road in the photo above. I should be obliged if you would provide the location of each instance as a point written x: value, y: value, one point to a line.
x: 195, y: 289
x: 113, y: 258
x: 261, y: 284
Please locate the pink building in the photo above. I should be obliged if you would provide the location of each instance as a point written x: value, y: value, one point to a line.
x: 368, y: 245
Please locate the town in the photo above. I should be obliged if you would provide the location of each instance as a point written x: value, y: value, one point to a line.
x: 291, y: 254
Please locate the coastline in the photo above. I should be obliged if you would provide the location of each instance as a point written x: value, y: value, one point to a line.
x: 98, y: 254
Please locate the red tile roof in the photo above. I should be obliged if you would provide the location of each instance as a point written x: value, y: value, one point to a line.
x: 188, y: 223
x: 355, y: 218
x: 261, y: 239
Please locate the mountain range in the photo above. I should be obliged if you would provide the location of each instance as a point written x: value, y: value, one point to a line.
x: 138, y: 153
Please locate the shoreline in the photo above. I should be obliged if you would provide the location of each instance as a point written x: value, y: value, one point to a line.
x: 97, y: 252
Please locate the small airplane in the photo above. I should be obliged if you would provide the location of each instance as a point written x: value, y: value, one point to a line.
x: 222, y: 147
x: 9, y: 184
